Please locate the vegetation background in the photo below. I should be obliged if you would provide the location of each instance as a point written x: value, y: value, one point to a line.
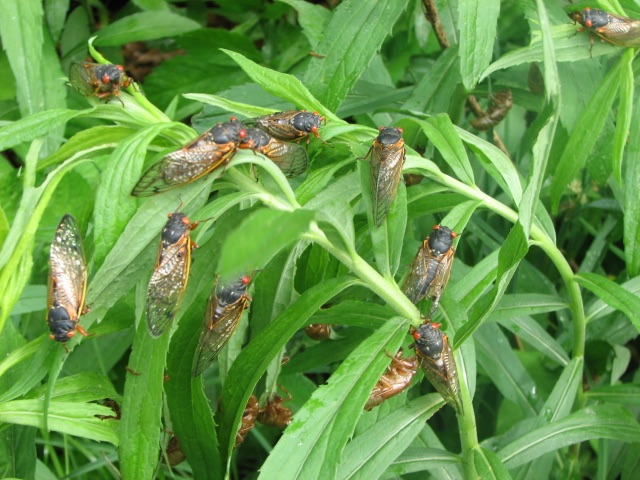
x: 542, y: 307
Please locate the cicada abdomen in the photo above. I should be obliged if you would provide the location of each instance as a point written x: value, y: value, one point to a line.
x: 248, y: 420
x: 67, y: 281
x: 502, y: 103
x: 223, y: 313
x: 387, y: 158
x: 213, y: 148
x: 438, y: 362
x: 170, y: 274
x: 431, y: 267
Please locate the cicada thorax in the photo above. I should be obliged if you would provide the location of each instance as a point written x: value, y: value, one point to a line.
x: 387, y: 156
x: 621, y: 31
x: 431, y: 267
x: 170, y: 274
x: 438, y: 362
x: 502, y: 103
x: 291, y: 158
x: 67, y: 281
x: 222, y: 315
x: 249, y: 416
x: 318, y: 331
x: 396, y: 378
x: 274, y: 413
x: 100, y: 80
x: 290, y: 125
x: 214, y: 148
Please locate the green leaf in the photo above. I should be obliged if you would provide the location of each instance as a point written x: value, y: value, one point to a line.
x: 255, y: 358
x: 601, y: 421
x: 259, y: 238
x: 444, y: 137
x: 312, y: 18
x: 34, y: 126
x: 281, y: 85
x: 143, y: 26
x: 488, y: 465
x: 419, y: 459
x: 72, y: 418
x: 351, y: 39
x: 560, y: 402
x: 622, y: 394
x: 151, y: 4
x: 613, y: 295
x: 477, y: 21
x: 374, y: 449
x: 17, y: 452
x: 625, y: 112
x: 584, y: 135
x: 81, y: 387
x: 631, y: 210
x: 312, y: 446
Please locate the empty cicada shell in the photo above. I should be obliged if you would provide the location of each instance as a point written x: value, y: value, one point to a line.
x: 396, y: 378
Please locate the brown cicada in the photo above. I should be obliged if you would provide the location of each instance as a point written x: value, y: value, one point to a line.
x: 396, y: 378
x: 67, y: 281
x: 290, y: 125
x: 213, y: 148
x: 502, y: 103
x: 291, y: 158
x: 170, y: 274
x: 387, y: 158
x: 102, y: 81
x: 175, y: 454
x: 248, y: 419
x: 621, y: 31
x: 438, y: 363
x: 318, y: 331
x: 224, y: 310
x: 274, y: 413
x: 430, y: 269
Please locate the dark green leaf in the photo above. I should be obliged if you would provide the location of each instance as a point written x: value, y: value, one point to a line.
x: 149, y: 25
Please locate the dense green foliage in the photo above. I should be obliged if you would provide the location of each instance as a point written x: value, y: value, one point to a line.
x: 542, y: 307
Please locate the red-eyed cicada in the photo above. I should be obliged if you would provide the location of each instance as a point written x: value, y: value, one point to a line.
x: 291, y: 158
x: 170, y: 274
x: 318, y: 331
x: 274, y: 413
x: 430, y: 269
x: 396, y: 378
x: 438, y: 363
x: 213, y: 148
x: 502, y: 103
x: 248, y: 419
x: 100, y: 80
x: 67, y: 281
x: 224, y: 309
x: 621, y: 31
x: 387, y: 158
x: 290, y: 125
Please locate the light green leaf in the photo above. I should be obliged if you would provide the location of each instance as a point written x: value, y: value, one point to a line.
x: 149, y: 25
x: 477, y: 20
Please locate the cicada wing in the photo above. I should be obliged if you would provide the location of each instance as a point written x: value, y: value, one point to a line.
x: 621, y: 31
x: 167, y: 285
x: 279, y: 125
x: 443, y: 375
x: 181, y: 167
x: 418, y: 280
x: 386, y: 169
x: 68, y: 270
x: 440, y: 279
x: 219, y: 325
x: 289, y: 157
x: 82, y: 78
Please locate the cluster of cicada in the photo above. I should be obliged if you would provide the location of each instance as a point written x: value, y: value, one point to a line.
x: 268, y: 135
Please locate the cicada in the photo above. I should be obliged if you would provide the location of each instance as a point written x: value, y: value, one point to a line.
x: 67, y: 281
x: 274, y: 413
x: 430, y: 269
x: 97, y: 79
x: 318, y: 331
x: 224, y: 309
x: 291, y: 158
x: 248, y: 420
x: 502, y: 103
x: 213, y: 148
x: 438, y: 363
x: 175, y: 454
x: 387, y: 158
x: 290, y: 125
x: 171, y: 272
x: 396, y: 378
x: 621, y: 31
